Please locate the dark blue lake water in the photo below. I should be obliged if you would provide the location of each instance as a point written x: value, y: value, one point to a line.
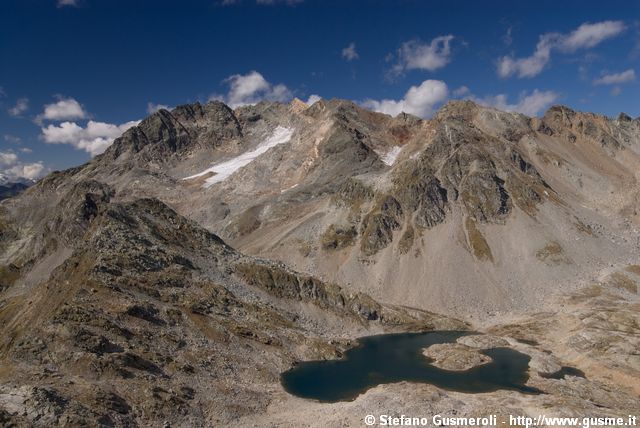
x: 392, y: 358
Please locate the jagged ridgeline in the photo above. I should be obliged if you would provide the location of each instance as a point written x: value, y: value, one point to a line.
x: 175, y: 276
x: 359, y: 197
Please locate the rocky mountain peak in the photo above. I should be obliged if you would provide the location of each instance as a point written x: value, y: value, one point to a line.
x: 165, y: 133
x: 208, y: 241
x: 623, y: 117
x: 457, y: 109
x: 297, y: 105
x: 559, y: 113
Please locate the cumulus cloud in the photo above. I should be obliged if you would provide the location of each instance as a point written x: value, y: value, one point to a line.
x: 11, y: 169
x: 63, y: 109
x: 530, y: 104
x: 419, y: 100
x: 251, y: 88
x: 350, y: 53
x: 313, y: 98
x: 22, y: 105
x: 94, y: 138
x: 529, y: 66
x: 8, y: 158
x: 585, y: 36
x: 416, y: 55
x: 616, y: 78
x: 461, y: 91
x: 153, y: 107
x: 28, y: 171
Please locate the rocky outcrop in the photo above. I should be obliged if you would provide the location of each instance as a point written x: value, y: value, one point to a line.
x: 483, y: 341
x: 455, y: 356
x: 152, y: 312
x: 422, y: 193
x: 167, y: 133
x: 76, y: 209
x: 571, y: 125
x: 379, y: 224
x: 338, y: 237
x: 471, y: 173
x: 353, y: 193
x: 121, y: 306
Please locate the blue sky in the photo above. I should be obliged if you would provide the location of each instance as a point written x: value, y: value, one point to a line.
x: 75, y: 73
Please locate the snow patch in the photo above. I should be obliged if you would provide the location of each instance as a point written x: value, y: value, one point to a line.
x: 289, y: 188
x: 225, y: 169
x: 390, y: 157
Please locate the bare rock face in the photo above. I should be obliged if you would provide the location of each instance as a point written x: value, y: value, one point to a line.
x: 77, y: 209
x: 338, y: 237
x: 134, y: 290
x: 544, y: 364
x: 151, y: 314
x: 573, y: 125
x: 455, y: 356
x: 356, y: 188
x: 379, y: 224
x: 165, y: 134
x: 423, y: 193
x: 483, y: 341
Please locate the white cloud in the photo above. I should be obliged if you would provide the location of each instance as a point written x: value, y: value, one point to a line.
x: 153, y: 107
x: 589, y: 35
x: 350, y: 53
x: 529, y: 104
x: 26, y: 150
x: 64, y: 109
x: 313, y: 98
x: 63, y: 3
x: 585, y: 36
x: 415, y: 55
x: 616, y: 78
x: 11, y: 169
x: 419, y: 100
x: 251, y: 88
x: 8, y: 158
x: 616, y: 90
x: 22, y: 105
x: 29, y: 171
x: 94, y: 138
x: 12, y: 139
x: 528, y: 66
x: 462, y: 90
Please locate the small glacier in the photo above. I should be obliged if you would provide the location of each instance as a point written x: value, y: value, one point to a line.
x: 223, y: 170
x: 390, y: 157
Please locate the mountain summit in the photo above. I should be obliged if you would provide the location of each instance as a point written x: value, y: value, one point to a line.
x: 176, y: 275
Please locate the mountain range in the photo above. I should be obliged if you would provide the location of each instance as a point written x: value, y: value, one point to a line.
x: 171, y: 279
x: 10, y: 187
